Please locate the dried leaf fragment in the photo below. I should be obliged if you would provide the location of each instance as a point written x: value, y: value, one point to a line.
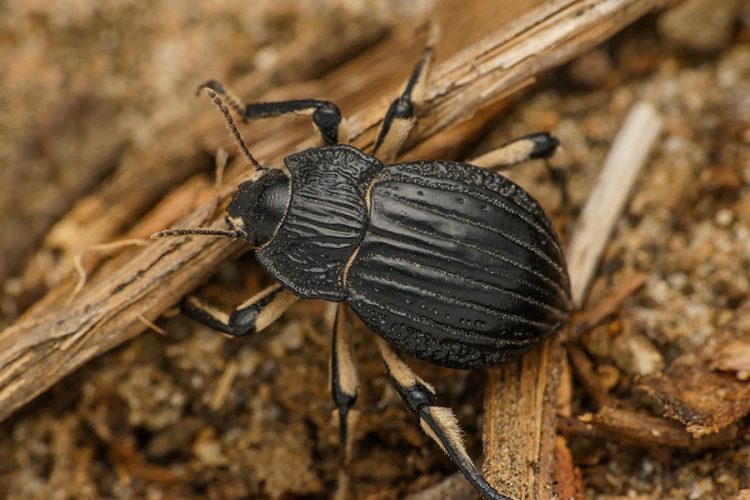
x: 733, y: 356
x: 704, y: 400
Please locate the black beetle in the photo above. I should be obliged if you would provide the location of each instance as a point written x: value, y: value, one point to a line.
x: 449, y: 262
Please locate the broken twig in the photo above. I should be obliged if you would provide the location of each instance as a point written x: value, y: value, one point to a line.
x: 625, y: 160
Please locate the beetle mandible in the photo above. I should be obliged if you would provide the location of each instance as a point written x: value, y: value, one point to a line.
x: 449, y: 262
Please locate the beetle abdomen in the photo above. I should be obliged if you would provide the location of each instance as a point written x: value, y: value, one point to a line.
x: 459, y: 266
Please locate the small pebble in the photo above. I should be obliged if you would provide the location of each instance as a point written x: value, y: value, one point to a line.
x: 635, y: 354
x: 608, y: 376
x: 591, y: 69
x: 209, y: 452
x: 291, y: 338
x: 724, y: 217
x: 700, y: 25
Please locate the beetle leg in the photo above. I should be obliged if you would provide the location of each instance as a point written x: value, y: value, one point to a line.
x: 344, y: 384
x: 326, y: 116
x: 437, y: 422
x: 400, y: 118
x: 254, y: 315
x: 535, y: 146
x: 530, y: 147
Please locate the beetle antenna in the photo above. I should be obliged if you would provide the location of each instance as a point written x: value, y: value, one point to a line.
x: 229, y: 97
x: 199, y: 231
x: 232, y: 127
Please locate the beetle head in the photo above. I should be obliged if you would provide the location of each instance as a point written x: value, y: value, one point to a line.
x: 259, y: 205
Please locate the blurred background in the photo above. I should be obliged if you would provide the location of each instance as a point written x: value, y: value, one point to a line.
x: 101, y: 138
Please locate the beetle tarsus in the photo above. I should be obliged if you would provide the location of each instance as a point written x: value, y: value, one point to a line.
x: 219, y: 88
x: 344, y: 380
x: 446, y: 432
x: 344, y: 388
x: 437, y: 422
x: 326, y: 115
x: 214, y: 85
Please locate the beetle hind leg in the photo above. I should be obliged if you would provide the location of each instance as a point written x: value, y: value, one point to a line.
x: 437, y: 422
x: 252, y: 316
x: 344, y: 385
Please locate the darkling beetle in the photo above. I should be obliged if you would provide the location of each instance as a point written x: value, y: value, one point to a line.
x: 449, y: 262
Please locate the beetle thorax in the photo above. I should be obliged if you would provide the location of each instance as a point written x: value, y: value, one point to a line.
x: 324, y: 222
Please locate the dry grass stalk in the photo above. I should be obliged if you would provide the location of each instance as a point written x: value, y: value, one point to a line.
x: 594, y: 226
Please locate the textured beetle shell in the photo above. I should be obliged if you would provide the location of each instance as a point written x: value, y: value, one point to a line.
x: 324, y: 223
x: 454, y: 264
x: 459, y: 266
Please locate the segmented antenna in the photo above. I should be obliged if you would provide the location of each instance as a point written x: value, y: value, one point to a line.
x: 231, y: 125
x: 191, y: 231
x: 229, y: 97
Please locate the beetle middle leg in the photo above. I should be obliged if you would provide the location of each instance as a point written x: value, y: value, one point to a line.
x: 344, y: 384
x: 326, y: 116
x: 400, y: 117
x: 252, y: 316
x: 437, y: 422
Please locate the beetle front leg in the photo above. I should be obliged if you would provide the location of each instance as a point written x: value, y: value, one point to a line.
x: 344, y: 384
x: 254, y: 315
x: 326, y: 116
x: 400, y: 117
x: 437, y: 422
